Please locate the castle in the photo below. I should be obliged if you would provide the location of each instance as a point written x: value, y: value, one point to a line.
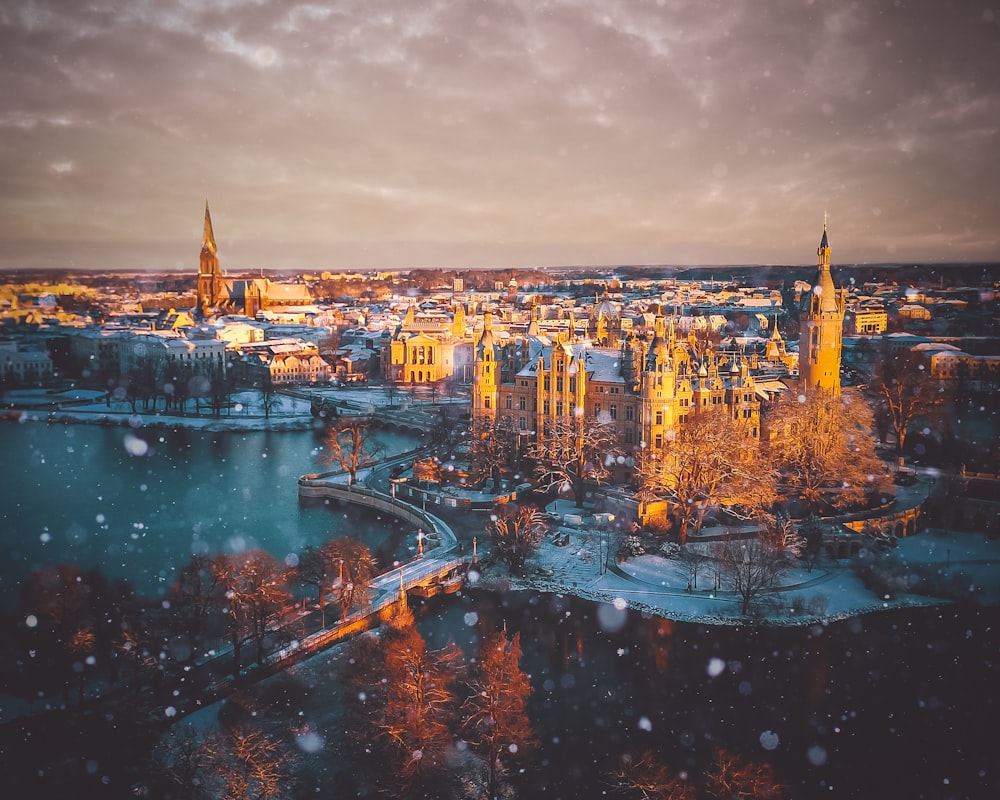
x: 646, y: 386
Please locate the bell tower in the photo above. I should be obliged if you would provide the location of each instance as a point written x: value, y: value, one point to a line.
x: 209, y: 272
x: 821, y: 322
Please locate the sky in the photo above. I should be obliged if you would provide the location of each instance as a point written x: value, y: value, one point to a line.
x: 356, y: 134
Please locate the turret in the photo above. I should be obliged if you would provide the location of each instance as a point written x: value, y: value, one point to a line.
x: 821, y: 321
x: 485, y: 384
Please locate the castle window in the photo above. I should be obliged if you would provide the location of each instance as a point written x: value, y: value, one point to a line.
x: 559, y: 383
x: 545, y: 383
x: 509, y: 401
x: 520, y: 403
x: 628, y: 436
x: 522, y: 424
x: 597, y: 409
x: 613, y: 411
x: 545, y: 407
x: 572, y: 384
x: 559, y: 408
x: 629, y: 413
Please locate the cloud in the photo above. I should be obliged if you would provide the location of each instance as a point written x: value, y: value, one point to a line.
x: 554, y: 123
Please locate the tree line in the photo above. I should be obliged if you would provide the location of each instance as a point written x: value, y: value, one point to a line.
x: 77, y: 629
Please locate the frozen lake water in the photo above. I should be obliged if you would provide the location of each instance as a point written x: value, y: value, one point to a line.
x: 138, y: 504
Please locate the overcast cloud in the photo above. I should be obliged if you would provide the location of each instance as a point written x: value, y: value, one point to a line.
x: 364, y: 133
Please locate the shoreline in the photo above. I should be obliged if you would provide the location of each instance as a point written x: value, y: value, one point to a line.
x: 802, y: 620
x: 158, y: 421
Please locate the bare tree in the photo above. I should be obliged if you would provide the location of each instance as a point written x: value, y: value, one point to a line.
x: 751, y: 565
x: 420, y: 702
x: 356, y: 568
x: 496, y: 712
x: 350, y: 445
x: 733, y: 777
x: 316, y: 569
x: 196, y: 595
x: 492, y: 448
x: 574, y: 450
x: 515, y: 531
x: 268, y: 396
x: 181, y: 764
x: 905, y: 393
x: 60, y: 596
x: 692, y: 563
x: 711, y: 459
x: 238, y: 764
x: 250, y: 764
x: 645, y: 777
x: 824, y: 448
x: 254, y: 596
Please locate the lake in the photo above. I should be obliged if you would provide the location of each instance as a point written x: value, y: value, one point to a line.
x: 895, y: 704
x: 138, y: 504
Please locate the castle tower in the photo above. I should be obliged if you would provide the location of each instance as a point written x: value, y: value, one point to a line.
x: 821, y: 321
x: 775, y: 348
x: 535, y: 327
x: 485, y: 381
x: 658, y: 391
x: 209, y: 272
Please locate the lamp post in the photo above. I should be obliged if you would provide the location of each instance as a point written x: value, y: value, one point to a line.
x: 604, y: 541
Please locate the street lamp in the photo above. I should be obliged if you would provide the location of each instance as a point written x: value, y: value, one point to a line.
x: 604, y: 540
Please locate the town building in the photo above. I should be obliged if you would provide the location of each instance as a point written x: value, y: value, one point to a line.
x: 28, y: 367
x: 867, y: 319
x: 428, y: 346
x: 282, y: 362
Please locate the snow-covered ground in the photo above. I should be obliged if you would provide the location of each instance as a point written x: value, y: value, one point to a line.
x: 90, y: 406
x: 967, y: 562
x: 287, y: 413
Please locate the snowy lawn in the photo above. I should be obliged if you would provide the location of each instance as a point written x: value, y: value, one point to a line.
x: 926, y: 569
x: 247, y: 413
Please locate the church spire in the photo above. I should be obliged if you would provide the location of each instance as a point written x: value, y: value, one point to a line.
x: 824, y: 247
x: 208, y: 238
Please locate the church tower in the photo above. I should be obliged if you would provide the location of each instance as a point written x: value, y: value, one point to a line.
x: 209, y: 272
x: 821, y: 323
